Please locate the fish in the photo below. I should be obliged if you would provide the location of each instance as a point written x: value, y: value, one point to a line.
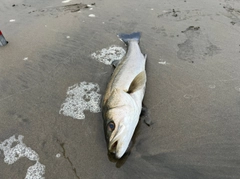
x: 122, y: 102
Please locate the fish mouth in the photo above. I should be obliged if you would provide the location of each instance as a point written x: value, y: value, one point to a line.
x: 113, y: 147
x: 118, y: 144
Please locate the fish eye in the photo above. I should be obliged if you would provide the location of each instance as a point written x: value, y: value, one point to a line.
x: 111, y: 126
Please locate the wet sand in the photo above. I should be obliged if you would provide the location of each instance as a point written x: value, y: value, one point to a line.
x: 192, y: 91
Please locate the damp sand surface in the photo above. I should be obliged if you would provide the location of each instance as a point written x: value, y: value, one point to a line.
x: 192, y: 90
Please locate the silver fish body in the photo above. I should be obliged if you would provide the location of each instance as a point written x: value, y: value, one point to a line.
x: 122, y: 102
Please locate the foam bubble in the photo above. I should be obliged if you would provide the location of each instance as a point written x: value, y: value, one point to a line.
x: 92, y: 15
x: 108, y: 55
x: 89, y: 5
x: 163, y: 63
x: 66, y: 1
x: 81, y: 97
x: 14, y: 149
x: 58, y: 155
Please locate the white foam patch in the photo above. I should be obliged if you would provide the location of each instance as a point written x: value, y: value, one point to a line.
x: 36, y: 171
x: 92, y: 15
x: 66, y: 1
x: 108, y: 55
x: 163, y: 63
x: 14, y: 149
x: 81, y: 97
x: 12, y: 154
x: 89, y: 5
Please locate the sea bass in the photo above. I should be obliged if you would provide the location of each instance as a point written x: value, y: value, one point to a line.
x: 122, y: 103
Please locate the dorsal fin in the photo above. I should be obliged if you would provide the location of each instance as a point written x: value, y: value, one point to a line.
x: 138, y: 82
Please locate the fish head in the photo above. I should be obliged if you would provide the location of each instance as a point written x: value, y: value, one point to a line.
x: 119, y: 128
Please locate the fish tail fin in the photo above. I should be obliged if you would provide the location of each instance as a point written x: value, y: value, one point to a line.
x: 135, y: 36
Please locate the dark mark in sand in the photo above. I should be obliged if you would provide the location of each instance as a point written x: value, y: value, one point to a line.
x: 74, y: 7
x: 68, y: 159
x: 191, y: 28
x: 56, y: 10
x: 177, y: 15
x: 174, y: 13
x: 233, y: 14
x: 196, y: 47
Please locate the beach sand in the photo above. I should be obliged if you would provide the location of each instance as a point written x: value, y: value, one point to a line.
x: 192, y: 90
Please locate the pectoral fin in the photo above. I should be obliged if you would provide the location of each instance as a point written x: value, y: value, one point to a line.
x: 115, y: 63
x: 138, y: 82
x: 145, y: 116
